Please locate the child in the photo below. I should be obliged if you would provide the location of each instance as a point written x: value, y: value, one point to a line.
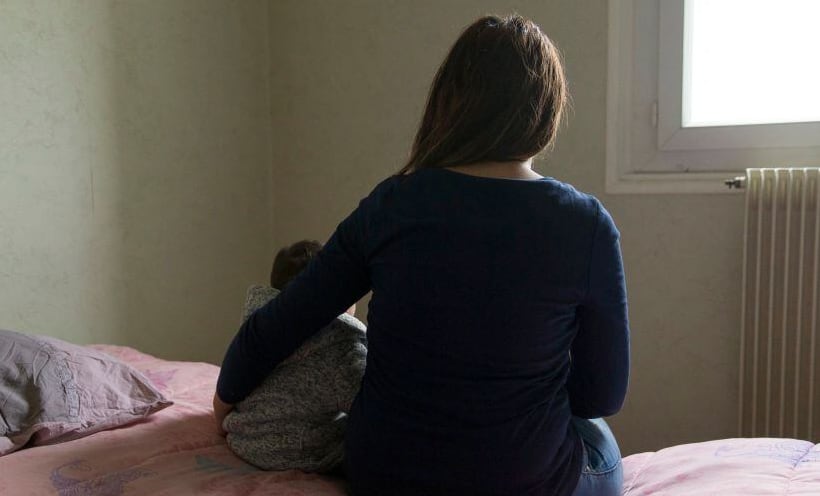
x: 289, y: 262
x: 296, y: 418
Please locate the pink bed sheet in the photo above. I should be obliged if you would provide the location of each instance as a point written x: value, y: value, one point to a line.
x: 174, y: 452
x: 177, y: 452
x: 727, y: 467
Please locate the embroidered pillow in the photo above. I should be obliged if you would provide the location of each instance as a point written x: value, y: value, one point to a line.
x: 52, y: 391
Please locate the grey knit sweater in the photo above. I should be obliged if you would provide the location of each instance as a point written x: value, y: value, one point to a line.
x: 296, y: 418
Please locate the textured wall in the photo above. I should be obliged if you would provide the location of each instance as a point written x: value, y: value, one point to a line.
x: 348, y: 82
x: 134, y: 170
x: 134, y: 175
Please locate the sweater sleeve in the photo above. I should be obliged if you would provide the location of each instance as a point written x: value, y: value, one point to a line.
x: 335, y: 279
x: 599, y: 371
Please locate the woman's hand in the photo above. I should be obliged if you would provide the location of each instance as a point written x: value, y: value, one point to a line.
x: 221, y: 410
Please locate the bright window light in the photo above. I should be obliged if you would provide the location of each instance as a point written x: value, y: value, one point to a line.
x: 751, y: 62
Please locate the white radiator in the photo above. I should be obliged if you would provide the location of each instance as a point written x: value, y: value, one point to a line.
x: 779, y: 363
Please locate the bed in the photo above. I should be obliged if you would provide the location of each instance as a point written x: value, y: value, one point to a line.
x: 177, y: 451
x: 727, y: 467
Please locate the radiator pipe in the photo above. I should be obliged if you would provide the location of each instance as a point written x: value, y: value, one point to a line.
x: 738, y: 182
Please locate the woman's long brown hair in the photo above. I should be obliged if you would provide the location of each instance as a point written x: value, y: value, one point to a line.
x: 498, y: 96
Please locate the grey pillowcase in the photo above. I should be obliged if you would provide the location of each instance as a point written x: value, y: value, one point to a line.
x: 296, y: 418
x: 53, y: 391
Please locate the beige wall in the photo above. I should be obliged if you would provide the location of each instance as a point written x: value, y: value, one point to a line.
x: 134, y: 170
x: 135, y: 175
x: 348, y: 82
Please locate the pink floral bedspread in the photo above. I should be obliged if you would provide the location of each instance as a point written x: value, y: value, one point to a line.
x: 178, y: 452
x: 174, y: 452
x: 727, y: 467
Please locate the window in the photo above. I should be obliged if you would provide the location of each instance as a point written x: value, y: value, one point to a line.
x: 699, y: 90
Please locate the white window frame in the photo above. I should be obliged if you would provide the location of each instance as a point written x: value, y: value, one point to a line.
x: 648, y: 150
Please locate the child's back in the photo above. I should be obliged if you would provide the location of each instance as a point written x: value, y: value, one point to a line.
x: 296, y: 418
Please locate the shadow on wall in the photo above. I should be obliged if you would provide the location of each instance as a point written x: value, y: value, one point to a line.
x: 186, y: 196
x: 134, y: 171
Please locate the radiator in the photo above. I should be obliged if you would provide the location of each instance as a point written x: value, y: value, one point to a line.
x: 779, y: 360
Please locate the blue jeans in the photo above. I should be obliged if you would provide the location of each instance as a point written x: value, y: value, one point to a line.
x: 602, y: 474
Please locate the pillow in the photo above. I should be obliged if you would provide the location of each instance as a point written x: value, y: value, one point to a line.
x: 52, y: 391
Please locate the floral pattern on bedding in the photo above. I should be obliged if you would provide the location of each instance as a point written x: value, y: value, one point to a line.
x: 160, y: 378
x: 790, y: 451
x: 109, y: 484
x: 210, y: 465
x: 726, y: 467
x: 175, y: 452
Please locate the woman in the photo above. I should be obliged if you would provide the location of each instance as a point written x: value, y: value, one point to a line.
x: 498, y: 320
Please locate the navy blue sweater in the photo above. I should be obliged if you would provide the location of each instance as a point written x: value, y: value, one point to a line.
x: 498, y: 311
